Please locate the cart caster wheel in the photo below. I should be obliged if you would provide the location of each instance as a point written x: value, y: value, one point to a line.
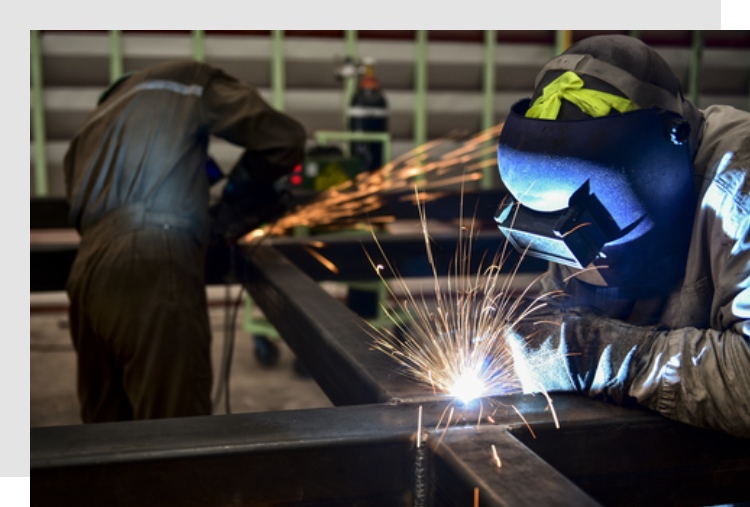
x: 266, y: 352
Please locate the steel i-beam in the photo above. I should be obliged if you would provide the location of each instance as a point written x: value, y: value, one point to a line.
x: 365, y: 450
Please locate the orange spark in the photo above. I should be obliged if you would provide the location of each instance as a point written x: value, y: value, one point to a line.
x: 496, y: 457
x: 320, y: 258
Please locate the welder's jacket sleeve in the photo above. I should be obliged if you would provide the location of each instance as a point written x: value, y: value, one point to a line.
x: 147, y: 143
x: 694, y: 366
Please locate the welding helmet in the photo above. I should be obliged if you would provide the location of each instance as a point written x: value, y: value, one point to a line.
x: 598, y: 167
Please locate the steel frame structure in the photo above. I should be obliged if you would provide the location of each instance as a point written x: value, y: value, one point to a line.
x: 370, y: 450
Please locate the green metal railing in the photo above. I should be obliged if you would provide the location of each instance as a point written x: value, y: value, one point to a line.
x: 488, y: 104
x: 277, y: 69
x: 199, y: 50
x: 420, y: 88
x: 116, y: 55
x: 350, y: 84
x: 37, y: 117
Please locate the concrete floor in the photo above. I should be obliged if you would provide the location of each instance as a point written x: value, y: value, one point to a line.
x: 254, y: 387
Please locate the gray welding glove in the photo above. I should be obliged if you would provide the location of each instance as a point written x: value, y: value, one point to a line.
x: 578, y: 349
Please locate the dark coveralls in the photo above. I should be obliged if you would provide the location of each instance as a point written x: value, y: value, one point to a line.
x: 138, y: 195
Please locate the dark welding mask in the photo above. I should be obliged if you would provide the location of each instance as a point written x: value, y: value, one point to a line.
x: 614, y: 193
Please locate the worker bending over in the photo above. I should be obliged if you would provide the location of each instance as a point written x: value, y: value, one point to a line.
x: 139, y: 197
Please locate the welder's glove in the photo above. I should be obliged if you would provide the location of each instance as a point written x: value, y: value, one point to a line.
x: 246, y: 204
x: 578, y: 349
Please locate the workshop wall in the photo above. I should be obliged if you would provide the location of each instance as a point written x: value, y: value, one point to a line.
x: 71, y: 68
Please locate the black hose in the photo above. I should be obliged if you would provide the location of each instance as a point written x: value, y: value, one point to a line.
x: 230, y: 327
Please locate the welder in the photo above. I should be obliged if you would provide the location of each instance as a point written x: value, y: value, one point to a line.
x: 138, y: 188
x: 641, y: 202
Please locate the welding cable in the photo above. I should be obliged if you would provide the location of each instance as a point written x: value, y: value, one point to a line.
x: 221, y: 387
x: 230, y: 326
x: 230, y: 320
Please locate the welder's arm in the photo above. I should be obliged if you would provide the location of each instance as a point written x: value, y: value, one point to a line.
x: 578, y: 350
x: 245, y: 204
x: 702, y: 376
x: 696, y: 376
x: 274, y: 142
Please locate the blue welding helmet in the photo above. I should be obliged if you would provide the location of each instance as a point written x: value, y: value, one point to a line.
x: 613, y: 192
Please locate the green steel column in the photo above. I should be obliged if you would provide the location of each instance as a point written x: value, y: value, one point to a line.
x: 420, y: 89
x: 116, y: 67
x: 37, y: 109
x: 199, y: 54
x: 488, y: 111
x: 350, y: 84
x: 277, y: 68
x: 696, y: 57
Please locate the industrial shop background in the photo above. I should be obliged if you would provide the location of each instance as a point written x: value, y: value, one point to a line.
x: 347, y: 437
x: 435, y: 83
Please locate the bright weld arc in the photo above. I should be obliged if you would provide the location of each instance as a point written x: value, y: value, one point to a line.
x: 355, y: 201
x: 468, y: 388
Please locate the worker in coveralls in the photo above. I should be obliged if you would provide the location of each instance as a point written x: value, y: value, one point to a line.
x: 641, y: 201
x: 139, y: 197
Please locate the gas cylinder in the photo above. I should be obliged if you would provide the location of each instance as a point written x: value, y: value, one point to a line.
x: 368, y: 113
